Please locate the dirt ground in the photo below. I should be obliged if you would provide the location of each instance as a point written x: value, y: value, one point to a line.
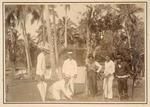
x: 26, y: 91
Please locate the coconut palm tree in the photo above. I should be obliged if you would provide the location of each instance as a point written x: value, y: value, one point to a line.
x: 19, y: 14
x: 50, y: 38
x: 129, y: 20
x: 54, y: 15
x: 86, y: 23
x: 130, y: 23
x: 47, y: 30
x: 67, y: 8
x: 71, y: 29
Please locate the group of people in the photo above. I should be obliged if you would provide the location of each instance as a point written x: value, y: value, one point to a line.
x: 61, y: 89
x: 93, y: 68
x: 64, y: 88
x: 112, y: 69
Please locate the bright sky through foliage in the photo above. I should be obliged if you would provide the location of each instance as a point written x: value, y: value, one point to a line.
x: 74, y: 13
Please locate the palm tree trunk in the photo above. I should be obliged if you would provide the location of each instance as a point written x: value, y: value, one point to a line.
x: 129, y: 38
x: 55, y: 38
x: 28, y: 59
x: 50, y: 40
x: 12, y: 53
x: 29, y: 65
x: 43, y: 28
x: 65, y: 27
x: 88, y: 51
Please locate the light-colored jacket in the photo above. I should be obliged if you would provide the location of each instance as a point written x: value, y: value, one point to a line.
x: 41, y: 66
x: 109, y: 67
x: 60, y: 89
x: 69, y: 67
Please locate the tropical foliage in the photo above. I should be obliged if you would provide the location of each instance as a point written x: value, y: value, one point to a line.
x: 101, y: 31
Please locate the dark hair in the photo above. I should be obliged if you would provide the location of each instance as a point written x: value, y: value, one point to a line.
x: 119, y: 57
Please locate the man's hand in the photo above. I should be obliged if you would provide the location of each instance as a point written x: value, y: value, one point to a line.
x: 106, y: 76
x: 70, y: 98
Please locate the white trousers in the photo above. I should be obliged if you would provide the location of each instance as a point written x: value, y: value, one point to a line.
x: 42, y: 86
x: 107, y: 87
x: 71, y: 84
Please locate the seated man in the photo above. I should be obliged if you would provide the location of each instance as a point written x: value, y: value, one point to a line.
x: 60, y: 89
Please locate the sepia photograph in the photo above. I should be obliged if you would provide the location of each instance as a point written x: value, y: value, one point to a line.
x: 74, y: 52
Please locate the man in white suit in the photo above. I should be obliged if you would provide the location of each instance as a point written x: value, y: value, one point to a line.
x: 108, y: 78
x: 70, y: 68
x: 40, y: 71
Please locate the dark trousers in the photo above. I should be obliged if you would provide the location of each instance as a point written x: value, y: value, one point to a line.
x: 92, y: 82
x: 123, y: 87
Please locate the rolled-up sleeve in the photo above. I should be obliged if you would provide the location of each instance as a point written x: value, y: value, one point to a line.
x: 99, y: 66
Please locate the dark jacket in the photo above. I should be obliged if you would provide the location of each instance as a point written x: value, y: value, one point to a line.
x: 122, y: 69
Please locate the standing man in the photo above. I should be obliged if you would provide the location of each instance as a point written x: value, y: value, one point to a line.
x: 108, y: 78
x: 40, y: 71
x: 122, y: 74
x: 70, y: 68
x: 41, y: 66
x: 92, y: 69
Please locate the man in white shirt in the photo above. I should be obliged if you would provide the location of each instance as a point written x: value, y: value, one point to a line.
x: 40, y: 71
x: 41, y: 66
x: 108, y: 78
x: 70, y: 68
x: 60, y: 90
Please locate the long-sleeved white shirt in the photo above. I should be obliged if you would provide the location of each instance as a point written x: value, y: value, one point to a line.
x: 69, y: 67
x: 41, y: 66
x: 109, y: 67
x: 60, y: 86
